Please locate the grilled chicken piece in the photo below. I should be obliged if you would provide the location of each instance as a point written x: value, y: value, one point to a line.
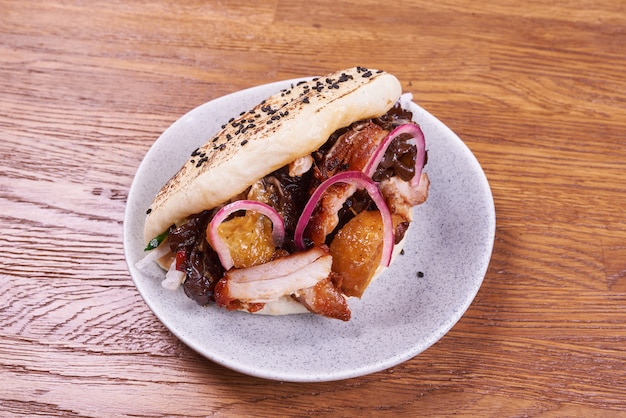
x: 270, y: 281
x: 401, y: 196
x: 325, y: 299
x: 325, y: 218
x: 351, y: 152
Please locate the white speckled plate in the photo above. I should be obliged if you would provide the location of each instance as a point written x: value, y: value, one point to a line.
x: 401, y: 314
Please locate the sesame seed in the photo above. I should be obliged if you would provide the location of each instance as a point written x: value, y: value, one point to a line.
x: 201, y: 161
x: 148, y: 211
x: 244, y: 142
x: 344, y: 77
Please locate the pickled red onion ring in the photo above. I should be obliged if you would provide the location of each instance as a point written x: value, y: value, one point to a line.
x: 420, y: 143
x: 218, y: 244
x: 362, y: 181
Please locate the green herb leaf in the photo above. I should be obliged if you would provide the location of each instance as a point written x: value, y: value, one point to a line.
x: 156, y: 241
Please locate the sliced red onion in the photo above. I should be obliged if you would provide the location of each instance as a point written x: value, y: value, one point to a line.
x: 218, y: 244
x: 420, y: 143
x: 363, y: 181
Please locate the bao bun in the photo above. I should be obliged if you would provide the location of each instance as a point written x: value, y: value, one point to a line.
x: 290, y: 124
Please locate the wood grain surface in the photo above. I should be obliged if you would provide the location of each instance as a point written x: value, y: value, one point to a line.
x: 536, y: 89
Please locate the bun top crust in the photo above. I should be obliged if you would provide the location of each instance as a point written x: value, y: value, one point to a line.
x: 290, y: 124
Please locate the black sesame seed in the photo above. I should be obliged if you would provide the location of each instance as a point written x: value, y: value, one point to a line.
x: 230, y: 120
x: 148, y: 211
x: 244, y: 142
x: 229, y: 137
x: 344, y: 77
x: 222, y: 147
x: 305, y: 100
x: 367, y: 74
x: 223, y: 126
x: 301, y: 83
x: 195, y: 152
x: 201, y: 161
x: 420, y: 274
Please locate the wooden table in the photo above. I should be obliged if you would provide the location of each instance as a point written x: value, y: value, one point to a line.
x: 536, y: 89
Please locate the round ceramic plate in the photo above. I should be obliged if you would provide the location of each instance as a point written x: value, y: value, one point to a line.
x: 411, y: 306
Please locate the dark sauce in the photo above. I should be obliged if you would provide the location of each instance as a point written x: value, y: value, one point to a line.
x: 199, y: 261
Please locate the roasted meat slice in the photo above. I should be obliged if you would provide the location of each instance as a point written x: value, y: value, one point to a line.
x: 270, y: 281
x: 351, y: 152
x: 325, y: 299
x: 401, y: 195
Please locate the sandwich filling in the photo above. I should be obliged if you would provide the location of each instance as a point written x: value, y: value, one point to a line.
x: 314, y: 231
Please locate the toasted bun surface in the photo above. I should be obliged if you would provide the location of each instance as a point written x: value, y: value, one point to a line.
x: 288, y: 125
